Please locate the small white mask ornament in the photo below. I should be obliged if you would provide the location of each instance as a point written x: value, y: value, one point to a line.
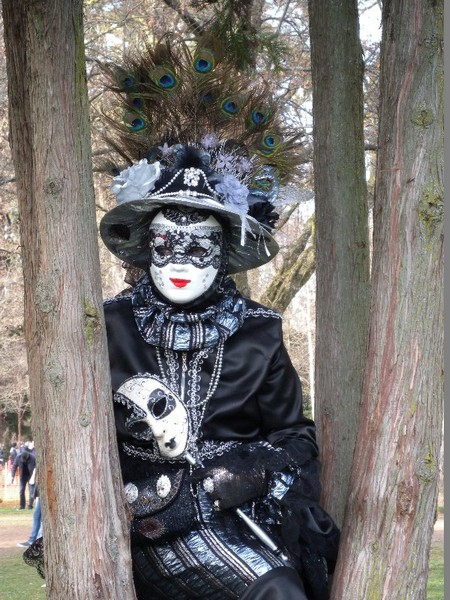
x: 185, y: 254
x: 158, y: 413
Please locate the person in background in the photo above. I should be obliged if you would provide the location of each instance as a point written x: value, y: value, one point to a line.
x: 12, y: 457
x: 36, y: 530
x: 25, y: 462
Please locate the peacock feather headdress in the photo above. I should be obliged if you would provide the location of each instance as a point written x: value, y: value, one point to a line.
x: 189, y: 129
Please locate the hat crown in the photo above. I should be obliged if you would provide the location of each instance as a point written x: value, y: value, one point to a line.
x: 190, y: 181
x: 179, y: 218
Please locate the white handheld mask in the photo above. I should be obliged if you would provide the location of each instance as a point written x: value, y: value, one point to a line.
x: 185, y: 254
x: 157, y: 413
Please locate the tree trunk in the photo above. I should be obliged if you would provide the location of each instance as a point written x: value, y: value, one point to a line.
x: 85, y: 529
x: 19, y: 424
x: 297, y: 268
x: 392, y: 506
x: 342, y: 253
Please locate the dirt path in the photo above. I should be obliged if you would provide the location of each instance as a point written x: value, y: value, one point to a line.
x: 9, y: 538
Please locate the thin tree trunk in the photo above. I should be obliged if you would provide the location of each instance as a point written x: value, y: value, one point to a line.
x: 85, y: 529
x: 342, y: 253
x: 389, y: 522
x: 19, y: 423
x: 297, y: 268
x: 309, y: 334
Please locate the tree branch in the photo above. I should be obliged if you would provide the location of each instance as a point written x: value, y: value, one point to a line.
x: 298, y: 267
x: 191, y: 22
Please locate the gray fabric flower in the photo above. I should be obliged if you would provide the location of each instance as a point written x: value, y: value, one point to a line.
x: 136, y: 182
x: 234, y: 193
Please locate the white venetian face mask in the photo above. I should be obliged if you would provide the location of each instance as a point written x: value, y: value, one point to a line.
x: 157, y: 414
x: 185, y: 254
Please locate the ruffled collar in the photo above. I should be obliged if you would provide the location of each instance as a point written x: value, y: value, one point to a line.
x: 170, y: 326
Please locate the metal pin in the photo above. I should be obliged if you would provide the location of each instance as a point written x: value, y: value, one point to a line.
x: 254, y: 527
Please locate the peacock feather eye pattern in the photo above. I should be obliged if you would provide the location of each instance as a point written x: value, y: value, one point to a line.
x: 127, y: 82
x: 207, y: 98
x: 231, y: 106
x: 134, y: 121
x: 180, y: 93
x: 204, y: 61
x: 269, y: 143
x: 263, y: 183
x: 164, y: 78
x: 136, y: 102
x: 258, y: 117
x: 137, y: 124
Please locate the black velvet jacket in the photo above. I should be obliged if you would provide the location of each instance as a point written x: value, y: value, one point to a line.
x: 259, y: 393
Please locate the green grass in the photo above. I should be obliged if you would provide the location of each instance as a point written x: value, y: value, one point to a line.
x: 10, y: 516
x: 18, y: 581
x: 435, y: 589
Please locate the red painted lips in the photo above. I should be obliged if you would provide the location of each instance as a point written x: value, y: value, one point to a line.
x: 180, y: 283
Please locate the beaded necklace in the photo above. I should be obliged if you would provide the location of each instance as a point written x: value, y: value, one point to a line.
x: 187, y: 379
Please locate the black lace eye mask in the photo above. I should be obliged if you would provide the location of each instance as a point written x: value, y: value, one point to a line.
x: 201, y: 247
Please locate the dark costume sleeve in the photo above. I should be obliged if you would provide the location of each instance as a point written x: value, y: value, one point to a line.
x: 307, y: 529
x: 281, y: 403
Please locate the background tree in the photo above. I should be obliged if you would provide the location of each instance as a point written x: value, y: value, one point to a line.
x: 69, y: 371
x: 13, y: 365
x: 393, y: 492
x: 342, y: 244
x: 298, y: 266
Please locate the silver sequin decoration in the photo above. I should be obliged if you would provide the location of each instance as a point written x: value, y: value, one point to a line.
x: 208, y: 485
x: 131, y: 493
x: 163, y: 486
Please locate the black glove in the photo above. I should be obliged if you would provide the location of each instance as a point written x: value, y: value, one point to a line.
x: 229, y: 489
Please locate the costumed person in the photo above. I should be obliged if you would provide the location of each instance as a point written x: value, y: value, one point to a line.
x: 208, y: 406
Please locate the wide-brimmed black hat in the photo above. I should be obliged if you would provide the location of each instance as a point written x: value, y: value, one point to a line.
x: 145, y: 188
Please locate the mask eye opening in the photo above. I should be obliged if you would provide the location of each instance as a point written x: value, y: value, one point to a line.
x: 163, y: 251
x: 158, y: 407
x: 137, y: 426
x: 197, y: 251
